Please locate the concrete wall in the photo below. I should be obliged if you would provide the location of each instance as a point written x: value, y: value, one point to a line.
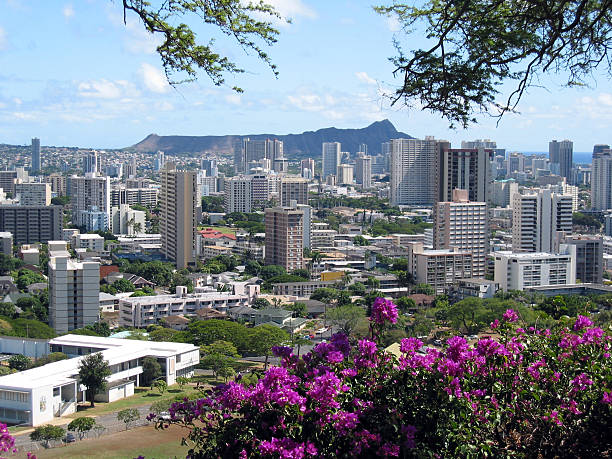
x: 34, y: 348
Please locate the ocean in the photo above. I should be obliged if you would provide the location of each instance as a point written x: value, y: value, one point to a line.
x: 580, y: 157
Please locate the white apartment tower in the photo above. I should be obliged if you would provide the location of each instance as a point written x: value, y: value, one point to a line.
x: 238, y: 194
x: 363, y: 170
x: 88, y: 192
x: 74, y: 294
x: 601, y: 181
x: 331, y: 154
x: 179, y: 217
x: 538, y: 221
x: 462, y: 224
x: 517, y: 271
x: 412, y: 171
x: 344, y: 174
x: 33, y: 194
x: 91, y: 163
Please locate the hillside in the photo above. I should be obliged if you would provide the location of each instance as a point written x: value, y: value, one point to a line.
x: 296, y: 145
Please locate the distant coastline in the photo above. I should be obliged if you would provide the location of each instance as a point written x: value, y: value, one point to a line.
x: 580, y: 157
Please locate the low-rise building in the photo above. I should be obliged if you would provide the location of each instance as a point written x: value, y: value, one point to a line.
x: 517, y: 271
x: 91, y: 242
x: 39, y: 395
x: 149, y: 310
x: 300, y: 289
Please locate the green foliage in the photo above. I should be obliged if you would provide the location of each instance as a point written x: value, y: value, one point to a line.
x: 123, y: 285
x: 424, y: 289
x: 261, y: 303
x: 47, y: 433
x: 50, y: 358
x: 166, y: 334
x: 8, y: 264
x: 564, y: 305
x: 151, y: 370
x: 182, y: 381
x: 219, y: 356
x: 19, y: 362
x: 325, y: 295
x: 384, y: 228
x: 360, y: 240
x: 405, y: 304
x: 299, y: 309
x: 580, y: 219
x: 154, y: 271
x: 60, y: 200
x: 82, y: 426
x: 205, y: 332
x: 345, y: 317
x: 161, y: 406
x: 7, y: 310
x: 128, y: 416
x: 31, y: 304
x: 252, y: 267
x: 270, y: 271
x: 161, y: 386
x: 26, y: 277
x: 475, y: 46
x: 213, y: 204
x: 93, y: 371
x: 263, y: 337
x: 301, y: 273
x: 357, y: 289
x: 28, y: 328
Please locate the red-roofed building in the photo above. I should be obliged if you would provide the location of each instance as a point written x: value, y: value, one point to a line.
x: 211, y: 236
x: 105, y: 270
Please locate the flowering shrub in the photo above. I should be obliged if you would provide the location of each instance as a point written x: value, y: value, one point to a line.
x: 530, y: 393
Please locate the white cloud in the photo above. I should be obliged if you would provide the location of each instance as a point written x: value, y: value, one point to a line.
x: 233, y: 99
x: 68, y: 11
x: 605, y: 99
x: 292, y: 8
x: 363, y: 76
x: 3, y: 40
x: 101, y: 89
x: 393, y: 24
x: 153, y: 78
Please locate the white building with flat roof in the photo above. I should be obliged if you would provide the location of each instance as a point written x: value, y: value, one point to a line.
x: 92, y: 242
x: 517, y: 271
x: 39, y: 395
x: 149, y: 310
x: 74, y: 290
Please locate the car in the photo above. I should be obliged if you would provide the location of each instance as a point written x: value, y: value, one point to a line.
x: 70, y: 438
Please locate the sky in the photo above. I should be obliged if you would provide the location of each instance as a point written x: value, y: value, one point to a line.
x: 73, y: 74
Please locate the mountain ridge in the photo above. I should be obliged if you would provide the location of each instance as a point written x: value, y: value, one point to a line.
x: 295, y: 145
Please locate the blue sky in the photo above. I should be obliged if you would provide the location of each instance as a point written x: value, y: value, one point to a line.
x: 73, y: 74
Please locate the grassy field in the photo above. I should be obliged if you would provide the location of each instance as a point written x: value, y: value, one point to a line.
x: 223, y: 229
x: 142, y: 396
x: 145, y: 441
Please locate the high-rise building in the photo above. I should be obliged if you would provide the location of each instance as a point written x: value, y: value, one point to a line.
x: 599, y: 149
x: 502, y: 192
x: 587, y: 251
x: 439, y: 268
x: 125, y: 220
x: 7, y: 181
x: 255, y: 150
x: 6, y: 243
x: 179, y: 214
x: 160, y: 160
x: 465, y: 169
x: 539, y: 221
x: 74, y: 294
x: 35, y: 155
x: 344, y: 174
x: 515, y: 163
x: 238, y: 194
x: 91, y: 163
x: 293, y: 189
x: 285, y: 237
x: 363, y: 148
x: 601, y: 182
x: 308, y: 168
x: 30, y: 224
x: 33, y: 194
x: 210, y: 166
x: 307, y: 223
x: 462, y: 224
x: 331, y: 154
x: 363, y: 171
x: 561, y: 158
x: 131, y: 168
x: 412, y: 171
x: 89, y: 192
x: 281, y: 164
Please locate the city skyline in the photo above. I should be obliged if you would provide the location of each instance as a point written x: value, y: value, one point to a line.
x: 101, y: 77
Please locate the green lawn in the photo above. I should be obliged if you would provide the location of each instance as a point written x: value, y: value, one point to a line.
x: 143, y: 396
x: 145, y: 441
x: 223, y: 229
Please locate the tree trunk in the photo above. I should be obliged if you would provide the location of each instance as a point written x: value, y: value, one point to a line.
x: 266, y: 363
x: 92, y: 395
